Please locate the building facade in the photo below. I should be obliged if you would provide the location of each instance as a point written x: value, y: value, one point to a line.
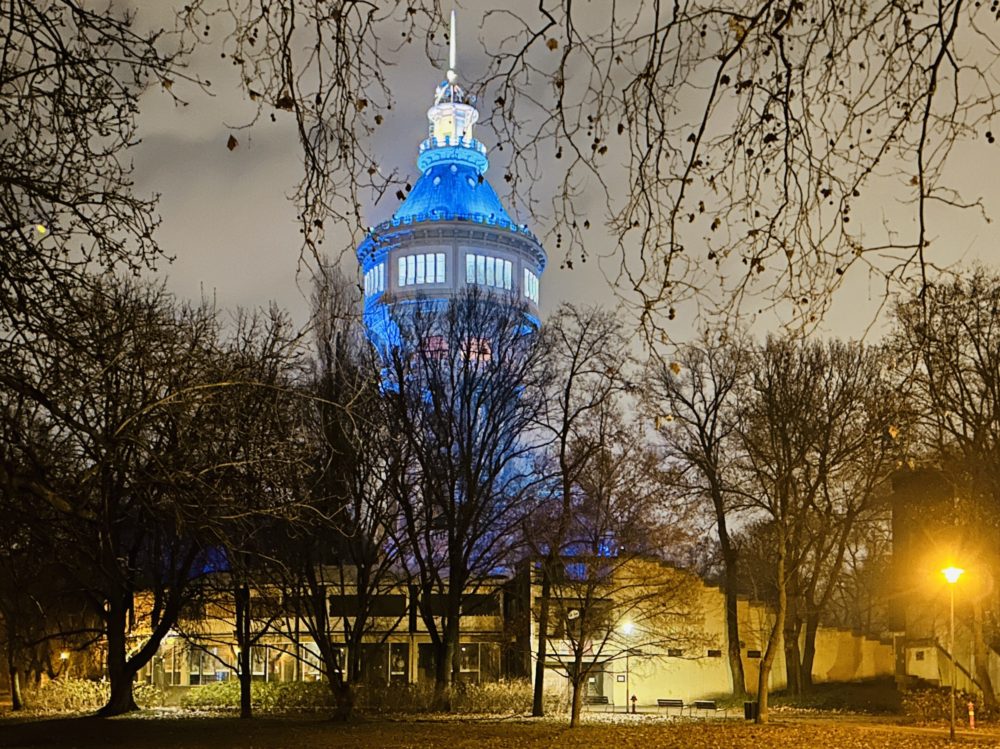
x: 497, y: 643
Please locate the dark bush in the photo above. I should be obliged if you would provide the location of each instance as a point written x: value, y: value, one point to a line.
x: 65, y: 695
x: 264, y: 696
x: 933, y: 705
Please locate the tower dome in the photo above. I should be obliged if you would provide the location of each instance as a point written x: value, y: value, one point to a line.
x: 451, y: 231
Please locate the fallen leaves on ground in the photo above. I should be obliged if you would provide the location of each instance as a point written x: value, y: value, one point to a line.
x: 613, y: 732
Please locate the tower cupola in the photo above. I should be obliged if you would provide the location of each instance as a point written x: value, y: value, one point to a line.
x: 451, y: 231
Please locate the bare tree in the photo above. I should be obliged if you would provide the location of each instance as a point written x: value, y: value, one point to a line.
x: 948, y: 343
x: 341, y: 559
x: 861, y: 597
x: 460, y: 395
x: 612, y: 594
x: 691, y: 397
x: 731, y: 145
x: 326, y: 68
x: 810, y: 423
x: 71, y: 75
x: 257, y: 437
x: 750, y: 132
x: 132, y: 391
x: 585, y: 352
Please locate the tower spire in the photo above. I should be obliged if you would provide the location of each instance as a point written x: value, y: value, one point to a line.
x: 452, y: 75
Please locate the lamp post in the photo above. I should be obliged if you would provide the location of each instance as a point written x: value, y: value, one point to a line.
x: 627, y: 629
x: 951, y: 575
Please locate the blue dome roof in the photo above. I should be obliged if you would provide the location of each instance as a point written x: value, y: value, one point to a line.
x: 452, y: 188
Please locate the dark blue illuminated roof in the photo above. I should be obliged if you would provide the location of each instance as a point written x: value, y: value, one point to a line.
x: 453, y: 189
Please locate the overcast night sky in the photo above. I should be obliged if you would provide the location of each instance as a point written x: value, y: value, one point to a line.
x: 228, y: 221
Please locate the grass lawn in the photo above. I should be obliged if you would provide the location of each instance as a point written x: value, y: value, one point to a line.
x: 302, y: 733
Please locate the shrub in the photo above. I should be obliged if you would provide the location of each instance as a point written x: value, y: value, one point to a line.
x: 393, y: 698
x: 264, y: 696
x: 494, y: 698
x: 511, y: 697
x: 874, y: 696
x: 147, y: 696
x: 933, y: 704
x: 503, y: 697
x: 65, y: 695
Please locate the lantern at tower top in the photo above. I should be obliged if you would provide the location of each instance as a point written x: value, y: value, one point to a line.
x: 452, y: 118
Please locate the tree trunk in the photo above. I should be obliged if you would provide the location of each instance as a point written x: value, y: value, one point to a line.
x: 16, y: 702
x: 246, y: 682
x: 763, y: 679
x: 442, y: 675
x: 338, y: 681
x: 982, y: 653
x: 809, y: 651
x: 733, y: 635
x: 793, y: 659
x: 732, y: 603
x: 120, y: 672
x: 576, y: 702
x: 355, y: 672
x: 538, y: 698
x: 243, y: 641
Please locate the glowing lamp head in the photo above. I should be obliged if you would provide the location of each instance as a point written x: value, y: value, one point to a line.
x: 628, y: 628
x: 951, y: 574
x: 41, y: 229
x: 64, y: 656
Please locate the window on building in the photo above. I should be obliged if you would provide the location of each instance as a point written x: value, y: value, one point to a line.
x: 487, y: 270
x: 375, y: 280
x: 375, y: 662
x: 399, y: 662
x: 200, y: 668
x: 172, y: 665
x: 469, y: 660
x: 424, y: 268
x: 436, y: 347
x: 478, y: 349
x: 531, y: 285
x: 753, y: 654
x: 258, y: 663
x: 312, y: 663
x: 674, y: 652
x: 714, y: 653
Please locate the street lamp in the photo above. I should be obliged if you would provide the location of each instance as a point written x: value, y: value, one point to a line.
x: 627, y: 629
x: 951, y: 575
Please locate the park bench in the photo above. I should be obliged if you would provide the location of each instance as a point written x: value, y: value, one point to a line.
x: 596, y: 699
x: 707, y: 706
x: 670, y: 703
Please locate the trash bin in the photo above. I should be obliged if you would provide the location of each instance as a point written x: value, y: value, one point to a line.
x: 751, y: 710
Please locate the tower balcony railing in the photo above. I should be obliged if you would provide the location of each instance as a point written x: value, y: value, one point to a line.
x: 449, y: 142
x: 441, y: 215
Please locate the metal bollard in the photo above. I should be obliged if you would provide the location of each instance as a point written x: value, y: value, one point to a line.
x: 634, y: 698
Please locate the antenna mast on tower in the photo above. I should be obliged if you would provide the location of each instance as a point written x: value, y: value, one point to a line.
x: 452, y: 75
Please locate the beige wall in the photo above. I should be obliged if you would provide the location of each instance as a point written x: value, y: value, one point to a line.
x: 841, y: 655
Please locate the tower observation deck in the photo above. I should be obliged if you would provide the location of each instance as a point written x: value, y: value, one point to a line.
x: 451, y: 231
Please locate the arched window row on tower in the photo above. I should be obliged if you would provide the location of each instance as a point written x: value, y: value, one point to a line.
x: 531, y: 285
x: 426, y: 267
x: 375, y: 280
x: 486, y: 270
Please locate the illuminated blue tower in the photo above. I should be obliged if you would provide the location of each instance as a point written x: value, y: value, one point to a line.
x: 451, y: 231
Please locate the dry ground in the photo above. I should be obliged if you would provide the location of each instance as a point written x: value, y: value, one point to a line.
x: 274, y: 733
